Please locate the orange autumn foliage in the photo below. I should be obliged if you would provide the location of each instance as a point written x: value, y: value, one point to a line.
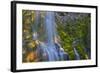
x: 31, y: 56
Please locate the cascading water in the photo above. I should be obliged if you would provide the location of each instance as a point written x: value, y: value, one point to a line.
x: 50, y: 32
x: 49, y: 50
x: 74, y: 44
x: 77, y: 56
x: 54, y: 50
x: 34, y: 26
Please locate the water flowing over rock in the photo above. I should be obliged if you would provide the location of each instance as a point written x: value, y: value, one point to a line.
x: 49, y: 50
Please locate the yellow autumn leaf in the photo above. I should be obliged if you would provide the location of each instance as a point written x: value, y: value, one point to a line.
x: 28, y: 36
x: 31, y: 44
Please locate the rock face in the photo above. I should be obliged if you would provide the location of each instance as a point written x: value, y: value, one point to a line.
x: 69, y: 16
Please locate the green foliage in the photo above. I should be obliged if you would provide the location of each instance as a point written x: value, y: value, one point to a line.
x: 72, y: 30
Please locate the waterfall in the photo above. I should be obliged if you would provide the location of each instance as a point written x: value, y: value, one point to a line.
x: 74, y: 44
x: 49, y: 50
x: 55, y: 52
x: 35, y: 25
x: 49, y: 23
x: 77, y: 56
x: 50, y: 32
